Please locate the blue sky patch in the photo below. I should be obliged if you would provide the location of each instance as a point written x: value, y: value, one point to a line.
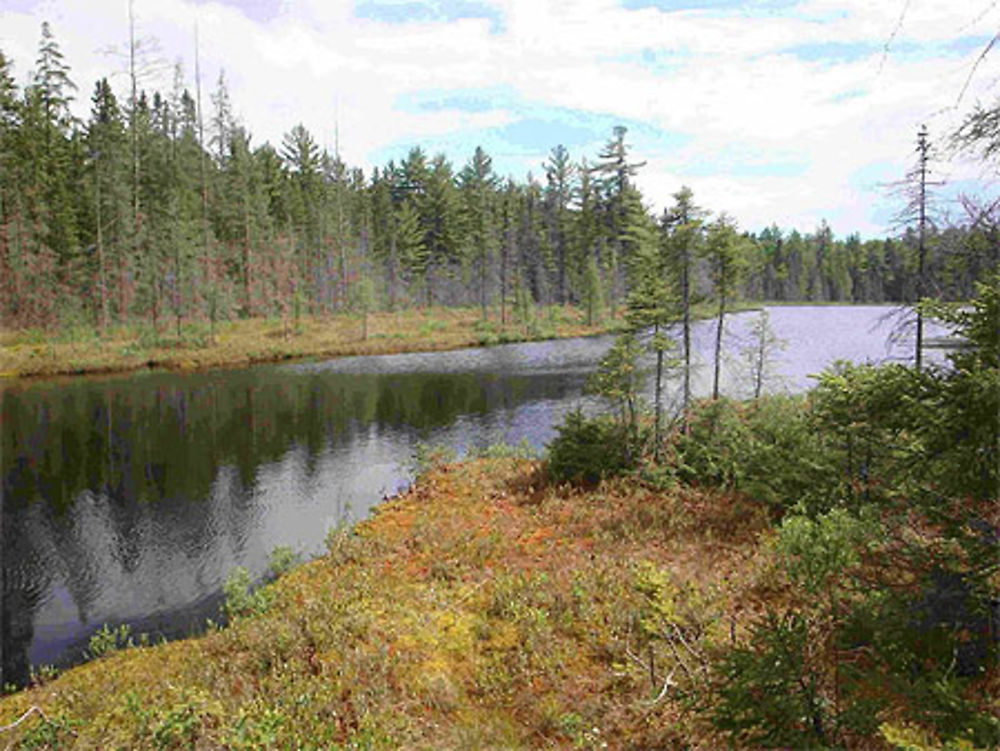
x: 461, y: 100
x: 874, y: 175
x: 417, y: 11
x: 658, y: 61
x: 524, y: 143
x: 838, y: 52
x: 967, y: 44
x: 846, y: 96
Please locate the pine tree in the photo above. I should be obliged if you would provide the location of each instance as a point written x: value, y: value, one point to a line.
x: 439, y: 217
x: 683, y: 226
x: 614, y: 175
x: 652, y: 300
x: 9, y: 125
x: 727, y: 258
x: 410, y: 245
x: 107, y: 144
x: 478, y: 185
x: 559, y: 175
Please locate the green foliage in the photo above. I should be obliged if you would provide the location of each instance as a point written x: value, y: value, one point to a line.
x: 427, y: 456
x: 51, y: 732
x: 815, y: 552
x: 929, y: 643
x: 252, y: 732
x: 587, y: 450
x: 619, y: 379
x: 107, y: 640
x: 681, y: 619
x: 522, y: 450
x: 241, y: 597
x: 767, y: 449
x: 769, y: 693
x: 593, y: 292
x: 344, y: 545
x: 282, y: 560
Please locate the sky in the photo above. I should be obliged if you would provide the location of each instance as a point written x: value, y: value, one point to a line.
x: 786, y: 112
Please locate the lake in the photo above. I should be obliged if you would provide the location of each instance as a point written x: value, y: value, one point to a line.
x: 129, y: 499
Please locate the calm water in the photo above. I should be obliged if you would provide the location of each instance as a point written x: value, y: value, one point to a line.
x: 128, y: 499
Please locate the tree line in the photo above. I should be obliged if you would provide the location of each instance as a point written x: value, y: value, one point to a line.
x: 158, y: 211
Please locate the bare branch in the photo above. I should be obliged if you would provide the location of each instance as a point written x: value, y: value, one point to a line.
x: 975, y: 66
x: 975, y: 22
x: 31, y: 710
x: 893, y: 35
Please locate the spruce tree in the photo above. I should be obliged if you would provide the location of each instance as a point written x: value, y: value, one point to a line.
x: 726, y: 251
x: 683, y: 227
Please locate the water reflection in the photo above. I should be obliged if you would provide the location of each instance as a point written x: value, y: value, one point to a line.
x: 129, y: 499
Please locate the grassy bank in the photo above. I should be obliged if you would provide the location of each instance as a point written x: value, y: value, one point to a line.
x: 80, y: 350
x: 483, y: 609
x: 245, y: 342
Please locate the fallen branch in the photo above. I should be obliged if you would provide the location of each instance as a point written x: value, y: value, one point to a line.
x: 22, y: 718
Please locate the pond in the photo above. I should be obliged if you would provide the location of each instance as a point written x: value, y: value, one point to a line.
x: 129, y: 499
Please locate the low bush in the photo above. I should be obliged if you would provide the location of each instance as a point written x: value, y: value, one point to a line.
x: 767, y: 449
x: 588, y: 449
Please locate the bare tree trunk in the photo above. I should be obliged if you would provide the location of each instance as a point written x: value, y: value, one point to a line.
x: 658, y: 399
x: 718, y: 344
x: 922, y: 147
x: 686, y: 333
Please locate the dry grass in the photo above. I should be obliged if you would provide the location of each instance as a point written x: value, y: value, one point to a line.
x: 239, y: 343
x: 245, y: 342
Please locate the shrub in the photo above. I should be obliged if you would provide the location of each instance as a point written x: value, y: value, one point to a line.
x: 767, y: 449
x: 588, y: 450
x: 241, y: 599
x: 427, y: 456
x: 106, y: 640
x: 770, y: 694
x: 282, y: 560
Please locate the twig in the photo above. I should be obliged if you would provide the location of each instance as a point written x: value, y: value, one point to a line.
x: 892, y: 36
x: 667, y: 683
x: 31, y: 710
x: 975, y: 22
x: 975, y: 66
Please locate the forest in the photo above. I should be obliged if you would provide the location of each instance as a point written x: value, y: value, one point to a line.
x: 157, y: 211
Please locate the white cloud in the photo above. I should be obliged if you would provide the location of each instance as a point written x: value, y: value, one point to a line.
x: 732, y: 86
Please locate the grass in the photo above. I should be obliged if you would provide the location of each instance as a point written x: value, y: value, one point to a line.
x: 482, y: 609
x: 245, y: 342
x: 79, y: 350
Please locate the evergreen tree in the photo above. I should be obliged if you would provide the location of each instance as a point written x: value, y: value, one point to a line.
x: 683, y: 226
x: 725, y: 249
x: 478, y: 184
x: 614, y: 175
x: 439, y: 217
x: 9, y: 125
x: 559, y: 175
x: 107, y: 144
x: 652, y: 300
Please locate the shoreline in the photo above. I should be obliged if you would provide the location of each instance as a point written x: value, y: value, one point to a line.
x: 26, y: 357
x: 473, y: 610
x: 246, y: 343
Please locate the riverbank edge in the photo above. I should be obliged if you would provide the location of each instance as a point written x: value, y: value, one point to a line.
x: 481, y: 608
x: 28, y: 356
